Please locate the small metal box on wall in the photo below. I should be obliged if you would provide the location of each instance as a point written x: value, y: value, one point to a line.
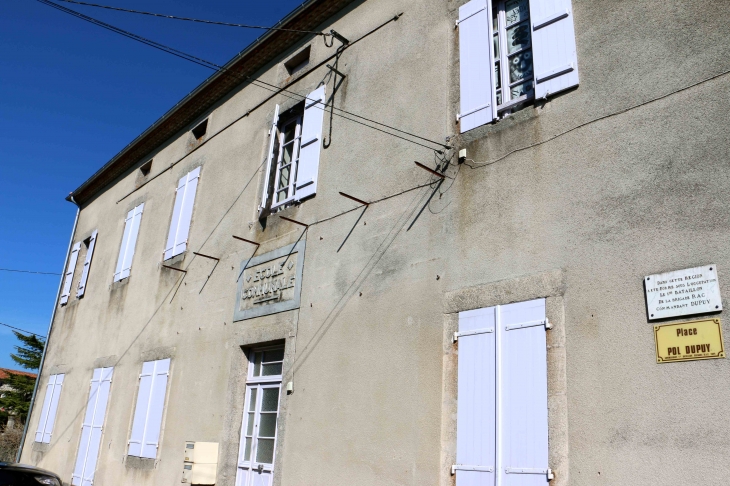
x: 200, y: 463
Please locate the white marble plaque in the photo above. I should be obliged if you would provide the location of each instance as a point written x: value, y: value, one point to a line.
x: 683, y: 292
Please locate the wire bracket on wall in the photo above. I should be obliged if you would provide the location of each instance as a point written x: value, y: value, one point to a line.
x: 334, y: 70
x: 294, y: 221
x: 176, y: 269
x: 355, y: 199
x: 249, y: 258
x: 437, y: 174
x: 206, y: 256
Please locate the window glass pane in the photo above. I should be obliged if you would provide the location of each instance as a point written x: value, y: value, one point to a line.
x: 257, y: 364
x: 287, y: 155
x: 247, y: 452
x: 265, y: 451
x: 281, y: 196
x: 516, y: 10
x: 274, y: 355
x: 520, y: 66
x: 271, y: 369
x: 252, y: 402
x: 284, y: 177
x: 267, y: 425
x: 495, y: 12
x: 289, y: 132
x: 518, y: 37
x: 496, y: 46
x: 249, y: 428
x: 270, y: 402
x: 497, y: 76
x: 522, y: 89
x: 499, y: 97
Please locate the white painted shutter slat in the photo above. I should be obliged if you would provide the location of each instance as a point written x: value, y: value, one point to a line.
x: 70, y: 273
x: 555, y: 56
x: 311, y: 144
x: 123, y: 246
x: 78, y: 474
x: 156, y: 408
x: 175, y: 221
x: 44, y: 410
x: 87, y: 264
x: 270, y: 159
x: 132, y: 243
x: 476, y: 65
x: 523, y: 404
x: 53, y: 408
x: 97, y: 425
x: 186, y: 212
x: 475, y: 435
x: 140, y: 411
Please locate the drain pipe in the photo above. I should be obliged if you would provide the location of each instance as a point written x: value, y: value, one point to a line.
x: 48, y: 334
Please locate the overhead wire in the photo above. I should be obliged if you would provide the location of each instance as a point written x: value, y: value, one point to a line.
x: 257, y: 82
x: 27, y: 271
x: 22, y: 330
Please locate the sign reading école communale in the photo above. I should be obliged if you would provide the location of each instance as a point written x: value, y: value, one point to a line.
x: 683, y: 292
x: 689, y: 341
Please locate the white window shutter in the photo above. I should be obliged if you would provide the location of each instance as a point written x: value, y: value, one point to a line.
x: 87, y: 264
x: 553, y: 46
x: 311, y: 144
x: 50, y: 407
x: 523, y: 407
x: 270, y: 160
x: 475, y: 435
x: 44, y: 411
x: 182, y: 214
x: 476, y: 65
x: 140, y: 411
x: 91, y: 428
x: 129, y: 243
x: 70, y: 273
x: 157, y: 405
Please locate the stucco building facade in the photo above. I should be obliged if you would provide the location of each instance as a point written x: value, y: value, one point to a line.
x: 266, y: 271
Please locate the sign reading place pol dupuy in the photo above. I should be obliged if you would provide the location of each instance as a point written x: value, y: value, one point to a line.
x: 683, y: 292
x: 687, y: 341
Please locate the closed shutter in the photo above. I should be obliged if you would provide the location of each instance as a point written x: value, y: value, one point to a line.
x: 311, y: 144
x: 523, y: 404
x: 129, y: 243
x: 270, y: 161
x: 150, y: 406
x: 70, y: 273
x: 553, y: 45
x: 92, y: 428
x: 87, y: 264
x: 182, y: 213
x: 478, y: 103
x: 475, y: 435
x: 50, y: 407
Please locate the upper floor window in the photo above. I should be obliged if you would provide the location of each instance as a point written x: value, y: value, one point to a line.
x: 294, y: 149
x: 512, y: 51
x: 182, y: 214
x: 129, y: 243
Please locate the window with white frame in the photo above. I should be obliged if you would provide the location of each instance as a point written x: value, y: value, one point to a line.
x: 182, y: 214
x: 50, y: 406
x: 513, y: 51
x: 295, y: 142
x: 147, y: 424
x: 260, y: 417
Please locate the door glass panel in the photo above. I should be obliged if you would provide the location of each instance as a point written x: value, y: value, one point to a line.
x: 520, y: 66
x: 265, y: 451
x: 516, y: 10
x: 270, y: 401
x: 247, y: 452
x: 267, y: 425
x: 252, y: 402
x: 249, y: 428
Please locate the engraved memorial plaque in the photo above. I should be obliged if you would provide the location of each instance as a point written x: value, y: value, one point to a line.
x: 270, y: 283
x: 683, y: 292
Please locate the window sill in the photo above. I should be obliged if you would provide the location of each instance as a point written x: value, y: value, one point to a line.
x: 143, y: 463
x: 119, y: 284
x: 175, y: 259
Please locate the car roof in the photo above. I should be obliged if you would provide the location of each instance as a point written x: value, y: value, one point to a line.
x: 13, y: 466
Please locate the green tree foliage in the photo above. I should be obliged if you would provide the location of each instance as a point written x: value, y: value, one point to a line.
x: 16, y: 400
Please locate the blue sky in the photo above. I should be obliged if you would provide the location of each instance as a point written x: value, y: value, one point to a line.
x: 73, y: 95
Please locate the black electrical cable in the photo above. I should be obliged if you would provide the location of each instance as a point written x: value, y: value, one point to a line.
x: 174, y: 17
x: 216, y: 67
x: 22, y: 330
x: 27, y: 271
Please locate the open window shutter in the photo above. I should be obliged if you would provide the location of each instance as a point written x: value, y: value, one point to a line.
x: 523, y: 404
x: 87, y: 264
x: 476, y: 65
x: 475, y: 433
x: 52, y: 409
x: 269, y: 161
x: 123, y: 247
x: 140, y: 412
x: 157, y: 405
x: 311, y: 144
x: 70, y: 273
x: 553, y: 46
x: 132, y: 241
x: 182, y: 213
x: 44, y: 411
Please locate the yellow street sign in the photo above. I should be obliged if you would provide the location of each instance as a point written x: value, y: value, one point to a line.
x: 689, y: 341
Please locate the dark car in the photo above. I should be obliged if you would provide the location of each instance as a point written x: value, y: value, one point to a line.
x: 12, y: 474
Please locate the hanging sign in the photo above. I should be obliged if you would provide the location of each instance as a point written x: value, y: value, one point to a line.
x: 683, y: 292
x: 688, y: 341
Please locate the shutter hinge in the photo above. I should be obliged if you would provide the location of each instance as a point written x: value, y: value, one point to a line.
x: 527, y: 470
x: 462, y: 467
x: 543, y: 322
x: 472, y: 332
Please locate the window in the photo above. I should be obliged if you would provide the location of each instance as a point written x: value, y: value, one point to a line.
x: 92, y: 427
x: 502, y: 409
x: 294, y: 149
x: 68, y: 279
x: 50, y: 407
x: 532, y: 55
x: 90, y: 243
x: 299, y: 61
x: 182, y: 214
x: 146, y: 168
x: 129, y: 242
x: 260, y: 416
x: 200, y: 130
x: 147, y: 423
